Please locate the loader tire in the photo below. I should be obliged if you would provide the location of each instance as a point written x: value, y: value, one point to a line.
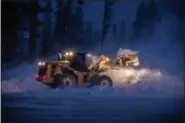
x: 105, y: 81
x: 68, y: 81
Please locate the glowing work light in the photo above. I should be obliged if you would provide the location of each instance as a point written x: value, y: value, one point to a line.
x: 69, y: 54
x: 41, y: 63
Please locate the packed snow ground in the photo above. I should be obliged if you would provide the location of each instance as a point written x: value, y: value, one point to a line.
x: 90, y: 105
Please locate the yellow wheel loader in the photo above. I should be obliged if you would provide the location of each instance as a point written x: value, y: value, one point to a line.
x: 72, y: 72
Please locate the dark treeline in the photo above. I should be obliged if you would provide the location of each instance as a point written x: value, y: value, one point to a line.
x: 33, y: 27
x: 36, y: 27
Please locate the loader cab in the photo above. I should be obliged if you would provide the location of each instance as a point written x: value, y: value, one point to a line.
x: 78, y: 62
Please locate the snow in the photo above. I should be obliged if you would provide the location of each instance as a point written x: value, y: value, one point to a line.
x: 126, y: 52
x: 94, y: 105
x: 158, y: 97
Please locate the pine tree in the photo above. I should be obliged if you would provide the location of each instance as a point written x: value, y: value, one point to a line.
x: 139, y: 23
x: 72, y: 29
x: 53, y: 15
x: 146, y: 17
x: 44, y: 34
x: 10, y: 24
x: 152, y: 17
x: 152, y: 10
x: 81, y: 2
x: 107, y: 18
x: 49, y: 25
x: 114, y: 29
x: 96, y: 37
x: 122, y: 32
x: 34, y: 24
x: 79, y: 14
x: 24, y: 32
x: 63, y: 21
x: 89, y: 32
x: 67, y: 22
x: 59, y: 21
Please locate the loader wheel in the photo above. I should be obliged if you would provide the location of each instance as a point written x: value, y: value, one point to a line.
x: 105, y: 81
x: 68, y: 80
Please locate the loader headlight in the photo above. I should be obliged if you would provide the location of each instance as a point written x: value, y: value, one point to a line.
x: 41, y: 63
x: 66, y: 54
x: 69, y: 54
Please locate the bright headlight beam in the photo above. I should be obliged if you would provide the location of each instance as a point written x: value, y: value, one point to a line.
x: 70, y: 53
x: 39, y: 63
x: 43, y: 63
x: 67, y: 53
x: 129, y: 72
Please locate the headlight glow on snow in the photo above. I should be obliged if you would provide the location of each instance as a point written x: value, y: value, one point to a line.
x: 129, y: 72
x: 89, y: 55
x: 130, y: 75
x: 136, y: 64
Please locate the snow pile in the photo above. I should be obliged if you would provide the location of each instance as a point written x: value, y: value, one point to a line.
x: 126, y: 52
x: 122, y: 76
